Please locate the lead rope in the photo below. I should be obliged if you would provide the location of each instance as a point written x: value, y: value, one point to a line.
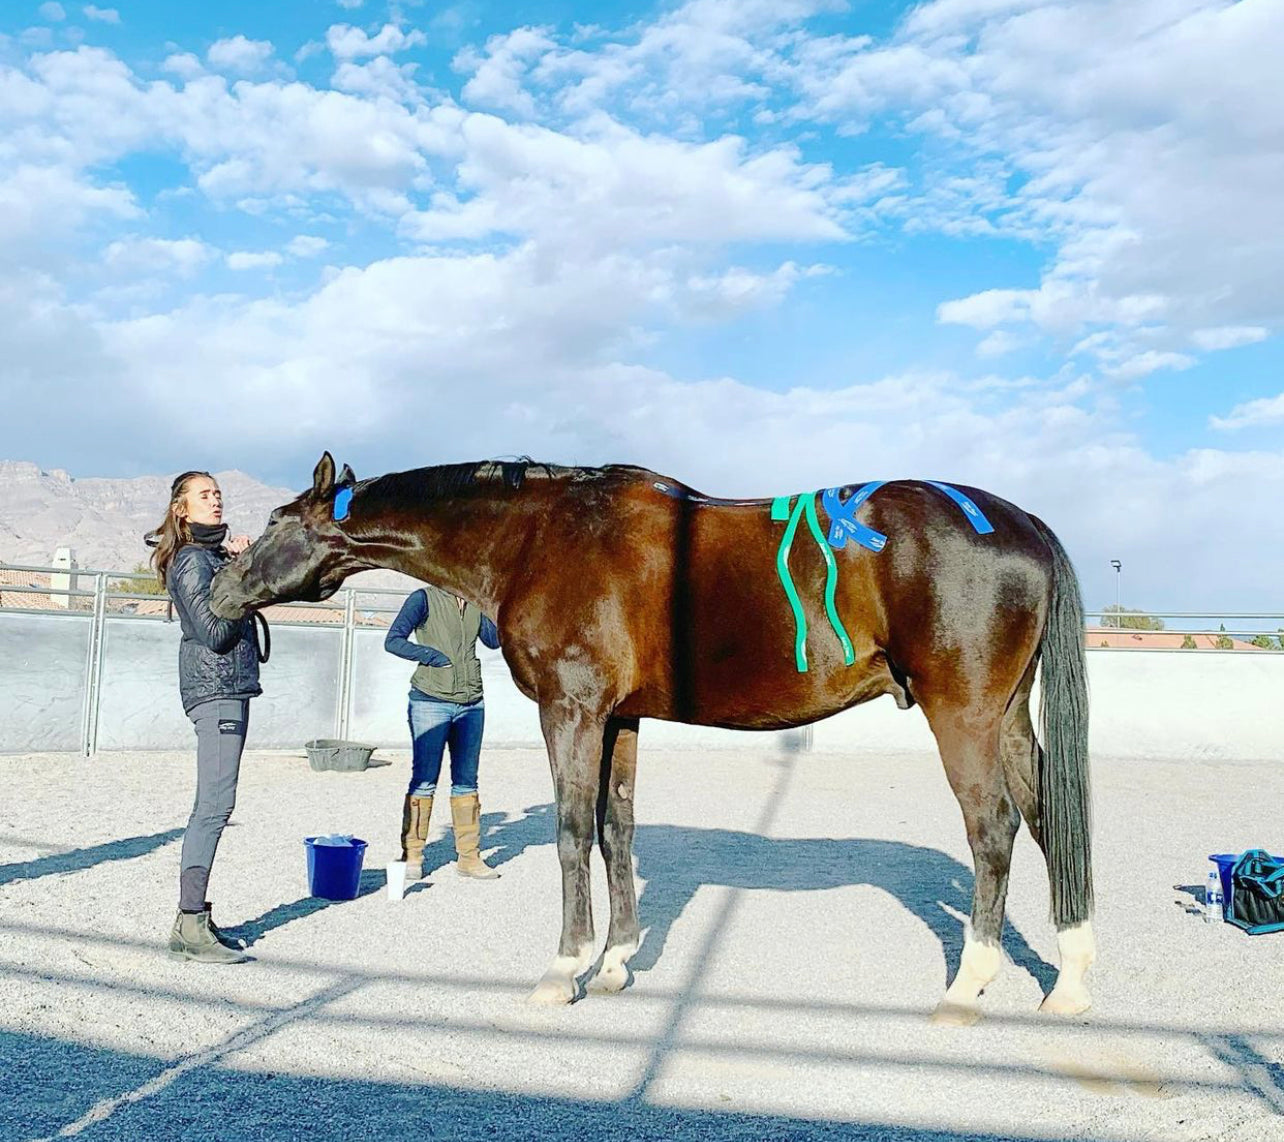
x: 262, y: 648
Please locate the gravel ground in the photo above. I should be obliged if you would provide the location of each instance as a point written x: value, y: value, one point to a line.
x: 804, y: 912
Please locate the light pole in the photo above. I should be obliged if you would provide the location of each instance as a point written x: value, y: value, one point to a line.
x: 1118, y: 612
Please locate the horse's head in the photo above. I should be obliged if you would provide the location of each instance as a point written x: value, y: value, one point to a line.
x: 302, y: 554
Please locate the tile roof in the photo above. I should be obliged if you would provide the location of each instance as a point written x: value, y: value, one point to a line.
x: 1160, y: 639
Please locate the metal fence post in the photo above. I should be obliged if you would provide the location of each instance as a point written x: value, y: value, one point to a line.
x: 94, y: 668
x: 344, y: 713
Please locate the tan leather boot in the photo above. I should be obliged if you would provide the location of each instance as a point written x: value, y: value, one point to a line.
x: 415, y: 812
x: 465, y: 814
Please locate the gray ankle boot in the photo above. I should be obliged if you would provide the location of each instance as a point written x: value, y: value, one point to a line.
x: 191, y: 939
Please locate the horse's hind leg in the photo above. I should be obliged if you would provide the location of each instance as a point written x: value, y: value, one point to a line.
x: 615, y: 837
x: 574, y: 739
x: 1021, y: 760
x: 969, y: 744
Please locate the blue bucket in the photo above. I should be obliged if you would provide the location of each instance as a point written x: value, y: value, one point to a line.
x: 1225, y: 862
x: 334, y: 871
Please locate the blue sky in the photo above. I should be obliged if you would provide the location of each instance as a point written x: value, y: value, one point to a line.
x: 757, y: 244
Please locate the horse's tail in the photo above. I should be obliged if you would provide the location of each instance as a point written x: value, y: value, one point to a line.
x: 1065, y: 814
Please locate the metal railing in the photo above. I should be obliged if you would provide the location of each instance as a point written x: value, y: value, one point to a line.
x: 69, y: 596
x: 346, y: 608
x: 1236, y: 626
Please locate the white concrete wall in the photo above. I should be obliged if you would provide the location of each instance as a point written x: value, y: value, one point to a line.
x: 1204, y: 704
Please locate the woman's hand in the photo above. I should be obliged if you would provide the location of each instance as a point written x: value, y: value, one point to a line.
x: 235, y: 544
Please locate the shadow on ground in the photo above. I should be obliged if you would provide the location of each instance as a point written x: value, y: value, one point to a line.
x: 675, y: 861
x: 77, y: 860
x: 47, y: 1086
x: 249, y: 932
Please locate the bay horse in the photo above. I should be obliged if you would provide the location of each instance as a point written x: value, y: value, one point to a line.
x: 622, y: 594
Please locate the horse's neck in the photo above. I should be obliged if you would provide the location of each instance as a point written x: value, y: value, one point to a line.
x: 471, y: 549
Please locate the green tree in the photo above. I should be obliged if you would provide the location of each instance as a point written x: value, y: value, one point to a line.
x: 1224, y: 641
x: 1187, y: 643
x: 145, y: 584
x: 1264, y: 641
x: 1113, y: 616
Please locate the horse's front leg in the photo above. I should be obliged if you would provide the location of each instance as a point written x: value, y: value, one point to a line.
x: 574, y: 739
x: 615, y: 837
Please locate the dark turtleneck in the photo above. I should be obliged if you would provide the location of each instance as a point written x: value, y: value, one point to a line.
x: 209, y: 534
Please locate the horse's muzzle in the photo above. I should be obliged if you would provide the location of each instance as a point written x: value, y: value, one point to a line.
x: 225, y: 600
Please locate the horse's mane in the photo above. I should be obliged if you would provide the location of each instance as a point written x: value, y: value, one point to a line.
x: 446, y: 480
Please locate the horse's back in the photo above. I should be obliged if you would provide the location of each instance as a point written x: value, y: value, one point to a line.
x: 718, y: 642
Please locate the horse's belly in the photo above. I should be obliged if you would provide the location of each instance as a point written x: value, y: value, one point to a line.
x: 748, y: 696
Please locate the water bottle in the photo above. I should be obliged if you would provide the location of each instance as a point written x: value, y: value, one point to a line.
x: 1213, y: 897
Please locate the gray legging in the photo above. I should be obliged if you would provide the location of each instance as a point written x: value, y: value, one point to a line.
x: 220, y: 738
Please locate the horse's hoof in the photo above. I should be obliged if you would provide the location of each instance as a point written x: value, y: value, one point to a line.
x: 552, y: 993
x: 1065, y: 1001
x: 610, y: 981
x: 955, y: 1014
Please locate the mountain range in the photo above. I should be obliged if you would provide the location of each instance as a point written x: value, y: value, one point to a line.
x: 103, y: 521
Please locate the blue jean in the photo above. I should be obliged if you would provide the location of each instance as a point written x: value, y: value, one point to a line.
x: 433, y: 726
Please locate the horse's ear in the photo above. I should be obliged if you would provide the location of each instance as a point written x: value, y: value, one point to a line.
x: 323, y: 475
x: 347, y: 477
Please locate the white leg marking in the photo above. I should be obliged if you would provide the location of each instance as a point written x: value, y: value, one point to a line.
x: 977, y: 969
x: 1078, y: 950
x: 614, y: 972
x: 558, y: 987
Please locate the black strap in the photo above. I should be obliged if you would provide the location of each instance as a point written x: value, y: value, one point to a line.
x: 262, y: 647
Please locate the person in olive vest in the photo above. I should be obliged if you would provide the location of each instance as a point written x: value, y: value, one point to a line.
x: 446, y: 708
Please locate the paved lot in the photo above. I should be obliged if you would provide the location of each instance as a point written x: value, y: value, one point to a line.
x: 803, y: 914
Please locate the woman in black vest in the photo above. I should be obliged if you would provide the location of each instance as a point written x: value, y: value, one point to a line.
x: 218, y: 674
x: 446, y: 708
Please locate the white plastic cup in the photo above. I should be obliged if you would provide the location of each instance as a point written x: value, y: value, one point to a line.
x: 396, y: 879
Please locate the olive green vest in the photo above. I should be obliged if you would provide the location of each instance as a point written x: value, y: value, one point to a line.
x: 455, y: 635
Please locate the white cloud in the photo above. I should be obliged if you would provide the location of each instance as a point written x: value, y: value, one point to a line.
x: 617, y: 189
x: 987, y: 309
x: 306, y: 246
x: 499, y: 71
x: 346, y: 42
x: 1132, y: 137
x: 729, y: 293
x: 239, y: 54
x: 43, y: 207
x: 1252, y: 414
x: 253, y: 260
x: 183, y: 256
x: 1228, y: 337
x: 185, y: 65
x: 379, y: 77
x: 349, y: 4
x: 1136, y: 365
x: 999, y: 343
x: 104, y: 15
x: 52, y: 11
